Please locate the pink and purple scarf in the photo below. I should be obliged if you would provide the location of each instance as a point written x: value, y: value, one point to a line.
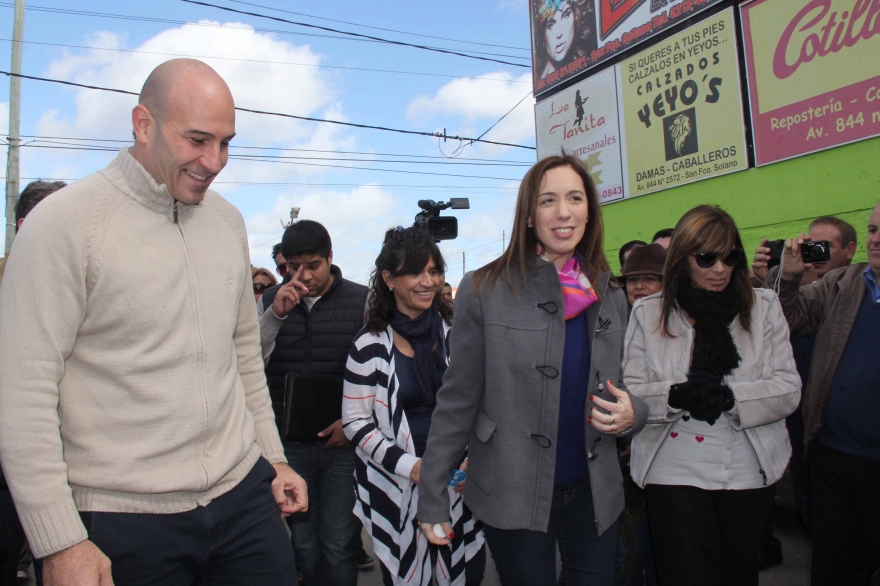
x: 577, y: 292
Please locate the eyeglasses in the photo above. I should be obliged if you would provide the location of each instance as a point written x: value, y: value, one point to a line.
x: 281, y: 269
x: 707, y: 260
x: 260, y: 287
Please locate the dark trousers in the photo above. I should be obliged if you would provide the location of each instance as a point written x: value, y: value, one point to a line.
x: 634, y: 564
x: 239, y: 539
x: 11, y: 540
x: 845, y: 517
x: 528, y: 558
x: 325, y: 537
x: 473, y: 569
x: 707, y: 537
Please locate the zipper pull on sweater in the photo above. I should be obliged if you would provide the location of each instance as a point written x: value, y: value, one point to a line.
x: 175, y: 210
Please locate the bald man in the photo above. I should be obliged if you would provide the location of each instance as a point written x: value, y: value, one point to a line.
x: 136, y: 430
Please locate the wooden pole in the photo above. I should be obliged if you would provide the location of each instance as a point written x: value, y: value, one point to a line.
x: 14, y: 139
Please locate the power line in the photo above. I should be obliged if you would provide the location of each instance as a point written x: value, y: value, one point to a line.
x: 283, y: 159
x: 326, y: 165
x: 378, y: 28
x: 442, y: 135
x: 248, y: 28
x: 444, y: 188
x: 462, y: 146
x: 368, y: 69
x: 452, y: 264
x: 285, y: 149
x: 449, y: 254
x: 357, y: 35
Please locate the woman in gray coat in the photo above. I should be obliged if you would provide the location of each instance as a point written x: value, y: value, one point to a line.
x: 533, y: 391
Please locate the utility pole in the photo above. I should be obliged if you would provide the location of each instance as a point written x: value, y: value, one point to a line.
x: 14, y: 140
x: 463, y: 264
x: 503, y: 241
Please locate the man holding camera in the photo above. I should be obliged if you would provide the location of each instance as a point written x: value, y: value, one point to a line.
x: 840, y: 236
x: 841, y: 405
x: 307, y: 327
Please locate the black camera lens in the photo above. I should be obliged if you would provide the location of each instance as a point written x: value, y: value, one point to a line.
x: 816, y: 251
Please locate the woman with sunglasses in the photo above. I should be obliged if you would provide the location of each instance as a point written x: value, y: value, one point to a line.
x: 711, y: 358
x: 263, y: 279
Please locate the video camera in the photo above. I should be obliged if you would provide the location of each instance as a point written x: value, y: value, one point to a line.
x: 440, y: 228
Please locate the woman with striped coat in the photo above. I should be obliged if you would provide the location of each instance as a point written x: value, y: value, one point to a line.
x: 394, y: 370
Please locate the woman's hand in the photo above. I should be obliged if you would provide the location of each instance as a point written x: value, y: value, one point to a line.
x: 428, y: 530
x: 415, y: 472
x: 621, y: 415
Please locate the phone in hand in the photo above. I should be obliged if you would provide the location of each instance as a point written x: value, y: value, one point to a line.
x: 776, y: 247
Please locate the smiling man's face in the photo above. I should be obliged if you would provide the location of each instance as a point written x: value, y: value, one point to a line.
x: 192, y: 147
x: 183, y: 128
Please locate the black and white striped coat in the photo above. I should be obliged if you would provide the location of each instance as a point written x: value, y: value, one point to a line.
x: 374, y: 421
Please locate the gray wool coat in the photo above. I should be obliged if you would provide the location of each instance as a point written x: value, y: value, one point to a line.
x: 500, y: 401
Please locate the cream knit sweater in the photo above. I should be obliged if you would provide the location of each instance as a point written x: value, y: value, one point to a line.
x: 131, y: 378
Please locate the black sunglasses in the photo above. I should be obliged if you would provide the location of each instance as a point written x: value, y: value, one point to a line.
x: 281, y: 269
x: 260, y: 287
x: 707, y: 260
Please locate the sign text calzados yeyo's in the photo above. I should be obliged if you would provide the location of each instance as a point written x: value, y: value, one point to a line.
x: 681, y: 109
x: 814, y: 74
x: 582, y: 120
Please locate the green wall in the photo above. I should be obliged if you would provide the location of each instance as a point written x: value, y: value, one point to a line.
x: 776, y: 201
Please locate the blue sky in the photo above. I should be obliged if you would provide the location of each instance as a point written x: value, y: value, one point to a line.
x: 277, y: 71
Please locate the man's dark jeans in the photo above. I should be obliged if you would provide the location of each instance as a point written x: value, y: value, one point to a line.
x: 325, y: 537
x: 239, y: 539
x: 845, y: 514
x: 528, y: 558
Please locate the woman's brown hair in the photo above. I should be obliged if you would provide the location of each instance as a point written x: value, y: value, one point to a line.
x: 705, y: 228
x: 523, y: 239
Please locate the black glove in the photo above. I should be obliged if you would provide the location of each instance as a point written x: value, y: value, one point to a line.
x: 703, y: 396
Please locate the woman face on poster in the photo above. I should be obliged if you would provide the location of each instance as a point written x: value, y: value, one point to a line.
x: 559, y: 32
x: 563, y: 31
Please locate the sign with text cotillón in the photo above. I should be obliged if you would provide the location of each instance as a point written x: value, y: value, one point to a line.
x: 814, y: 74
x: 582, y: 120
x: 681, y: 109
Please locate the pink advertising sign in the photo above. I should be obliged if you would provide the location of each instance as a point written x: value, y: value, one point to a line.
x: 813, y: 74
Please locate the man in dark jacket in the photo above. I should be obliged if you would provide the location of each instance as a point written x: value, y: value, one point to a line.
x: 840, y: 406
x: 307, y: 327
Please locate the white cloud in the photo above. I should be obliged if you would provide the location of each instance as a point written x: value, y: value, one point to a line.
x: 479, y: 103
x: 263, y: 86
x: 356, y: 219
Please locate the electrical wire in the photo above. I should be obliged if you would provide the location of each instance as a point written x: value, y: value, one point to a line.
x: 367, y: 69
x: 282, y: 159
x: 356, y: 35
x: 326, y: 165
x: 282, y: 149
x: 463, y: 146
x: 442, y: 135
x: 378, y: 28
x: 247, y: 28
x: 440, y: 188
